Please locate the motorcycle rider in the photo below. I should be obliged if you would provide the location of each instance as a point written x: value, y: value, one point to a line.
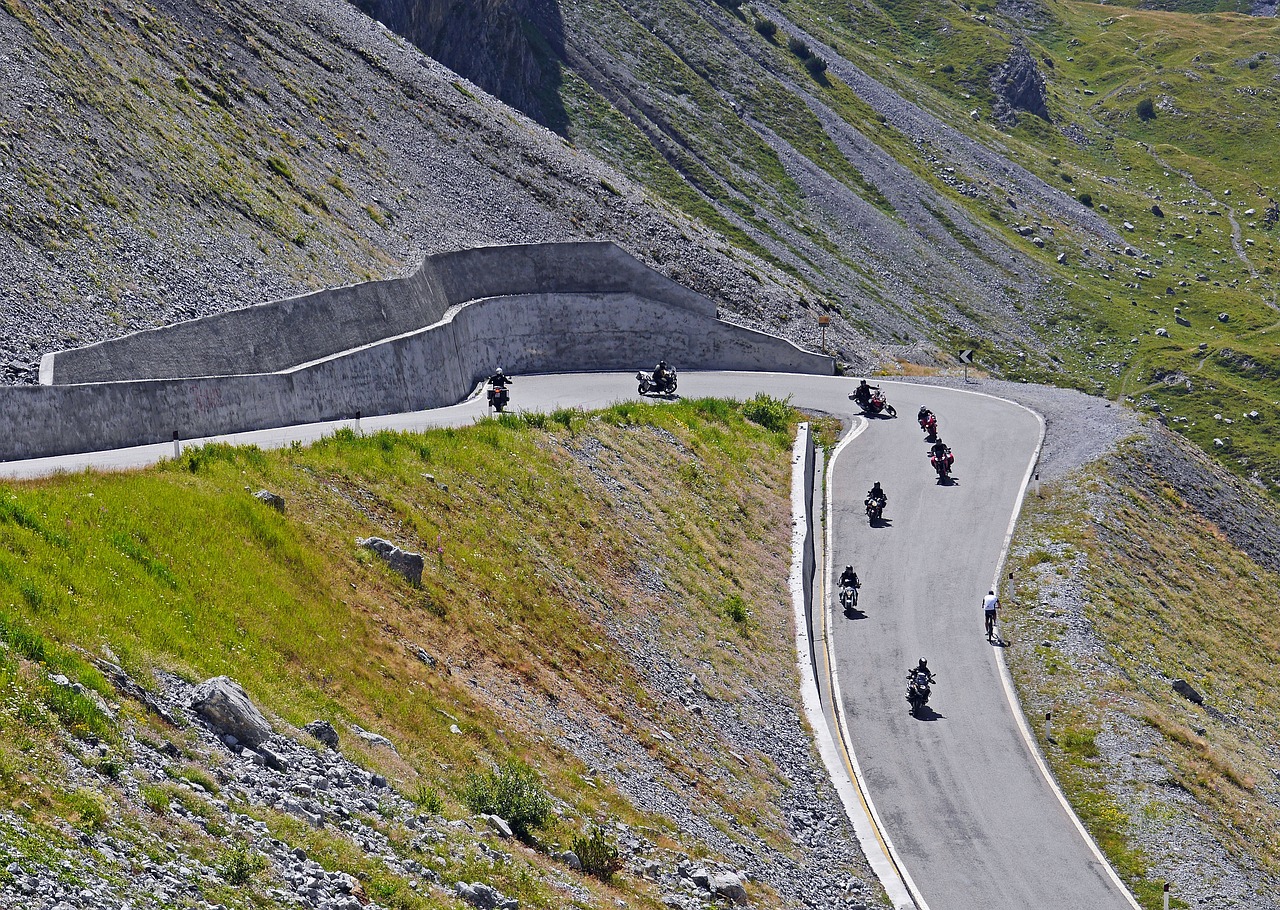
x: 921, y: 667
x: 499, y: 379
x: 661, y: 376
x: 939, y: 450
x: 923, y: 415
x: 875, y: 494
x: 849, y: 578
x: 862, y: 394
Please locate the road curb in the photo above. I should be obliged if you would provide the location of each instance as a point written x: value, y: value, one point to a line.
x: 841, y: 766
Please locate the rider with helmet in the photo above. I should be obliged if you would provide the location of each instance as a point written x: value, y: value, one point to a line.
x: 875, y: 494
x: 849, y: 578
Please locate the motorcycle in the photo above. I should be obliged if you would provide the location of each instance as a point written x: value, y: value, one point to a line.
x: 666, y: 386
x: 918, y: 690
x: 498, y: 397
x: 875, y: 509
x: 943, y: 465
x: 848, y: 597
x: 930, y: 425
x: 877, y: 404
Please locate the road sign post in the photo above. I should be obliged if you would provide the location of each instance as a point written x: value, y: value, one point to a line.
x: 966, y: 357
x: 823, y: 322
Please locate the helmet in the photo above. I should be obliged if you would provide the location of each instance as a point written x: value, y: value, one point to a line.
x: 498, y: 370
x: 848, y: 568
x: 924, y: 664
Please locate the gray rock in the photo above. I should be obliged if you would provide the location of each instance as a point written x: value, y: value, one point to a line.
x: 1186, y: 690
x: 271, y: 499
x: 272, y: 759
x: 372, y: 739
x: 227, y: 708
x: 407, y: 564
x: 486, y: 897
x: 728, y: 885
x: 323, y: 731
x: 1223, y: 317
x: 1182, y: 321
x: 499, y: 824
x: 571, y: 860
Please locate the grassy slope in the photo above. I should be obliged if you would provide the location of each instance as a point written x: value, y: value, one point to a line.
x: 535, y: 555
x: 1164, y: 596
x: 1211, y: 78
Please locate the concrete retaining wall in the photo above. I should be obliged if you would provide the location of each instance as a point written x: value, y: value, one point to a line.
x: 281, y: 334
x: 429, y: 367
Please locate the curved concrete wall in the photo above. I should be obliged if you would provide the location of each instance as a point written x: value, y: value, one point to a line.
x: 429, y: 367
x: 281, y: 334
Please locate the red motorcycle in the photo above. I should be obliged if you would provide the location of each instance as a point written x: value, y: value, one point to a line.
x: 878, y: 404
x: 929, y: 424
x: 942, y: 464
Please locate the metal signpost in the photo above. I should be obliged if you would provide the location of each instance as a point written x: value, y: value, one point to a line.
x: 966, y: 357
x: 824, y: 321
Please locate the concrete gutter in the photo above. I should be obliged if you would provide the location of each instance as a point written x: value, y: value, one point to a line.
x: 841, y: 766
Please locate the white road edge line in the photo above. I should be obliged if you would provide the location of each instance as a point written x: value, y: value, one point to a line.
x: 1006, y: 677
x: 852, y: 795
x: 871, y: 832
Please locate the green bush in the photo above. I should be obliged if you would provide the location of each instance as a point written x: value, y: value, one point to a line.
x: 735, y: 608
x: 598, y: 855
x: 773, y: 414
x: 512, y: 792
x: 1146, y: 109
x: 946, y: 68
x: 798, y: 47
x: 767, y: 27
x: 428, y: 799
x: 816, y: 67
x: 240, y: 864
x: 1086, y: 200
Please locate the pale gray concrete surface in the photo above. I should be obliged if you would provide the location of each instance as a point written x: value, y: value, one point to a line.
x: 280, y: 334
x: 428, y: 368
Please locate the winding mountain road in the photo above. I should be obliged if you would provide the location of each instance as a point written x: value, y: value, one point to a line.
x: 959, y: 793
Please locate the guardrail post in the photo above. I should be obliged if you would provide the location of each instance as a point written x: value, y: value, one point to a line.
x: 1166, y: 896
x: 177, y: 445
x: 1048, y: 728
x: 359, y: 432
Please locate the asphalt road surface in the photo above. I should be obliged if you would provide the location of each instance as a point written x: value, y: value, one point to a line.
x: 959, y: 793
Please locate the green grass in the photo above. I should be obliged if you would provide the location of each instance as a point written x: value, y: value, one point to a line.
x: 178, y: 567
x: 1168, y: 598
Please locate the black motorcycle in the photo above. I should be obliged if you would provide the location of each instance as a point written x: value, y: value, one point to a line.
x: 498, y: 397
x: 918, y: 689
x: 875, y: 509
x: 664, y: 386
x: 848, y: 597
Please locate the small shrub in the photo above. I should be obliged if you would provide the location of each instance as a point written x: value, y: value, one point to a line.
x: 1086, y: 200
x: 598, y: 854
x: 816, y: 67
x: 240, y: 864
x: 1146, y: 109
x: 90, y: 811
x: 155, y: 798
x: 428, y: 799
x: 512, y: 792
x: 798, y: 47
x: 734, y: 608
x: 1253, y: 64
x: 182, y: 85
x: 767, y: 27
x: 774, y: 414
x: 279, y: 167
x: 946, y: 68
x: 1066, y: 178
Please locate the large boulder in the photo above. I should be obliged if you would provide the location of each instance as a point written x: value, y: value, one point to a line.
x: 729, y: 886
x: 227, y: 708
x: 407, y: 564
x: 1019, y: 86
